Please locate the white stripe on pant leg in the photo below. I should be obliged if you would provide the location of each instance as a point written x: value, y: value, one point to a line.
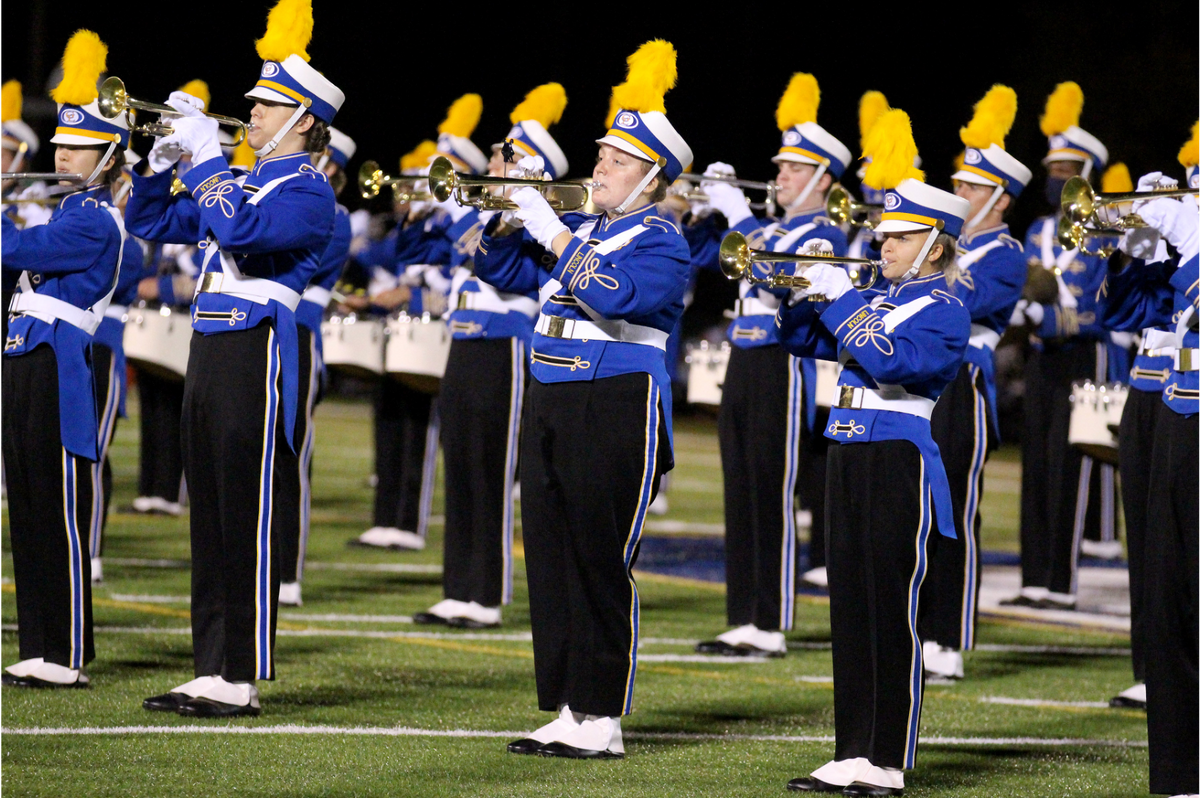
x: 262, y: 574
x: 1081, y: 503
x: 429, y: 469
x: 916, y: 675
x: 306, y: 453
x: 787, y: 559
x: 516, y: 395
x: 971, y: 508
x: 74, y: 557
x: 649, y: 467
x: 103, y: 440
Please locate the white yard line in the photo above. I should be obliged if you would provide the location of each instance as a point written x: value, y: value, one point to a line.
x: 1040, y: 702
x: 150, y: 599
x: 292, y: 729
x: 399, y: 568
x: 300, y: 616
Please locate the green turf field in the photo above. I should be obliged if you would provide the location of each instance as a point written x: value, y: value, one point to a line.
x: 367, y: 704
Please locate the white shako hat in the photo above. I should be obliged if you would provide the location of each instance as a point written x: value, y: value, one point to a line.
x: 985, y: 161
x: 803, y: 140
x: 454, y: 135
x: 341, y: 147
x: 79, y: 119
x: 1068, y: 141
x: 529, y: 135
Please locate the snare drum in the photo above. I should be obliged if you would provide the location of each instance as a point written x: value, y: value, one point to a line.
x: 1095, y: 417
x: 828, y: 372
x: 157, y: 339
x: 706, y: 372
x: 416, y: 351
x: 353, y: 345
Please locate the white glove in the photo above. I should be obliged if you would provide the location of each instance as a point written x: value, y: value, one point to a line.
x: 828, y: 281
x: 1145, y: 243
x: 729, y: 200
x: 34, y: 214
x: 186, y: 104
x: 165, y: 154
x: 530, y: 167
x: 198, y: 136
x: 1030, y: 313
x: 719, y: 169
x: 1154, y: 181
x: 540, y: 219
x: 817, y: 246
x: 1177, y: 221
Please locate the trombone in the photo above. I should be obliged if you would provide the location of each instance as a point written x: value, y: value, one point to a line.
x: 114, y: 101
x: 699, y: 196
x: 371, y: 181
x: 444, y: 182
x: 737, y: 261
x: 841, y: 208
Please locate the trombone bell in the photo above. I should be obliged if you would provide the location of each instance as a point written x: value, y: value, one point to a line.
x: 113, y: 101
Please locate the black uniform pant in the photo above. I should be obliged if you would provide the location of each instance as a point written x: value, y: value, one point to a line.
x: 880, y: 518
x: 160, y: 468
x: 108, y: 394
x: 962, y: 429
x: 591, y: 455
x: 233, y: 432
x: 1136, y: 450
x: 406, y: 441
x: 1060, y: 488
x: 293, y: 474
x: 1172, y: 600
x: 759, y: 431
x: 480, y: 402
x: 814, y: 456
x: 49, y: 508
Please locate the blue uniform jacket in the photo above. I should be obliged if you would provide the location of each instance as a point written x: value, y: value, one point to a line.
x: 281, y: 239
x: 468, y: 321
x: 634, y: 268
x: 922, y: 354
x: 1157, y: 294
x: 309, y: 313
x: 72, y: 258
x: 111, y: 331
x: 1082, y: 275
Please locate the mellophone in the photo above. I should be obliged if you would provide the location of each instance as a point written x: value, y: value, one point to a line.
x: 412, y: 348
x: 1095, y: 418
x: 157, y: 338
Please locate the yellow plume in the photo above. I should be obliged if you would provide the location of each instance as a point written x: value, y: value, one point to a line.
x: 612, y: 112
x: 419, y: 156
x: 1189, y: 154
x: 651, y: 75
x: 243, y: 155
x: 1062, y: 108
x: 289, y: 30
x: 993, y: 118
x: 199, y: 90
x: 799, y: 101
x: 463, y: 116
x: 544, y: 105
x: 891, y: 150
x: 1116, y: 179
x: 871, y: 106
x: 83, y: 61
x: 10, y: 100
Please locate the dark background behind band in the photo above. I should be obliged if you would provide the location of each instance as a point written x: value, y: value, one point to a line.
x: 402, y: 65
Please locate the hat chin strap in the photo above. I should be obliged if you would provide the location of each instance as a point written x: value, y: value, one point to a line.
x: 100, y: 164
x: 1086, y: 171
x: 637, y: 191
x: 987, y: 207
x: 808, y: 188
x: 269, y: 147
x: 916, y: 267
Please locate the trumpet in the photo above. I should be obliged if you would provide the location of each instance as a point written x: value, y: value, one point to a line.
x: 699, y: 196
x: 444, y: 182
x: 737, y: 261
x: 841, y: 208
x: 371, y: 181
x: 1074, y: 235
x: 1082, y: 206
x: 114, y: 101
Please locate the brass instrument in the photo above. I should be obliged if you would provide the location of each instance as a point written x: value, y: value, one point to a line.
x: 737, y: 260
x: 1087, y: 214
x: 371, y: 180
x: 841, y: 208
x: 444, y: 182
x: 73, y: 177
x: 1074, y: 235
x: 114, y: 101
x: 699, y: 196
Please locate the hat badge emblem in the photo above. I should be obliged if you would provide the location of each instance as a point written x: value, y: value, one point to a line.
x: 1058, y: 141
x: 791, y: 138
x: 892, y: 202
x: 270, y: 69
x: 72, y: 116
x: 973, y: 156
x: 626, y: 119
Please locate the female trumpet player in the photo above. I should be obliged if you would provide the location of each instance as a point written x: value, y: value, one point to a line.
x: 68, y: 273
x: 885, y: 476
x: 611, y: 288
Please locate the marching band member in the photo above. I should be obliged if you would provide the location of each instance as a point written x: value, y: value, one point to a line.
x: 264, y: 242
x: 991, y: 275
x: 1147, y: 378
x: 295, y: 488
x: 18, y: 145
x: 481, y: 393
x: 1067, y: 345
x: 1163, y: 292
x: 865, y: 244
x: 768, y: 395
x: 885, y: 475
x: 407, y: 423
x: 68, y: 270
x: 611, y: 288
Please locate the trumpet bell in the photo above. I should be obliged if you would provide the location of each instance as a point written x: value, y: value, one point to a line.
x: 1078, y: 201
x: 370, y: 179
x: 112, y: 100
x: 734, y: 256
x: 841, y: 208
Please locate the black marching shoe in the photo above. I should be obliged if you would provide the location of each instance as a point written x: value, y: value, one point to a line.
x: 208, y: 708
x: 526, y: 745
x: 812, y: 784
x: 859, y: 788
x: 430, y: 618
x: 167, y: 702
x: 571, y: 752
x: 82, y: 683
